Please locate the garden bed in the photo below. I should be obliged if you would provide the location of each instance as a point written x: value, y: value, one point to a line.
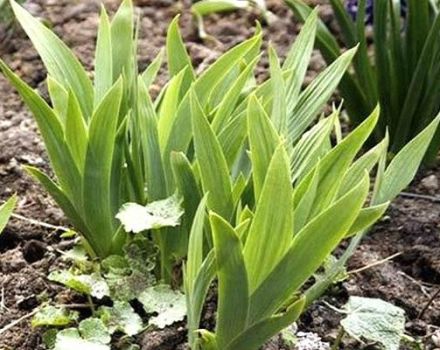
x: 28, y: 251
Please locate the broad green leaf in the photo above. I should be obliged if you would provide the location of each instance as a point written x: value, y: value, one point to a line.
x: 356, y: 104
x: 150, y: 73
x: 219, y: 70
x: 52, y: 132
x: 232, y: 138
x: 229, y: 101
x: 212, y: 163
x: 367, y: 217
x: 279, y: 102
x: 181, y: 131
x: 122, y: 39
x: 233, y: 293
x: 313, y: 98
x: 270, y: 233
x: 54, y: 316
x: 309, y: 249
x: 60, y: 198
x: 404, y: 166
x: 163, y: 213
x: 263, y: 140
x: 238, y: 188
x: 366, y: 162
x: 337, y: 161
x: 195, y: 246
x: 374, y: 320
x: 58, y: 59
x: 76, y: 133
x: 167, y: 303
x: 103, y: 58
x: 177, y: 56
x: 298, y: 58
x: 6, y: 211
x: 98, y: 168
x: 196, y: 300
x: 169, y: 106
x: 153, y: 166
x: 255, y: 336
x: 187, y: 187
x: 59, y: 98
x: 303, y: 202
x: 312, y: 145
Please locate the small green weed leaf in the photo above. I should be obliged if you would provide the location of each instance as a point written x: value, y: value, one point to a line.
x: 6, y: 211
x: 374, y: 320
x: 49, y: 338
x: 77, y: 254
x: 70, y: 339
x: 163, y: 213
x: 54, y: 316
x: 116, y: 264
x: 121, y: 317
x: 167, y: 303
x: 93, y: 284
x: 94, y: 330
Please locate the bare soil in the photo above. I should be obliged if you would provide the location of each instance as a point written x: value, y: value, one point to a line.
x: 29, y: 251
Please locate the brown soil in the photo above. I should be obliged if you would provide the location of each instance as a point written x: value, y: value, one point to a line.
x: 28, y: 252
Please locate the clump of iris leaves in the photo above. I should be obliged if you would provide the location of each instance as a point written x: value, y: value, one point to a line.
x: 219, y: 177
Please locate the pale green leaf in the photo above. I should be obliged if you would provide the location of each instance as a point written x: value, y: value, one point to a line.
x: 121, y: 317
x: 177, y: 56
x: 94, y: 330
x: 309, y: 249
x: 233, y: 292
x: 6, y: 211
x: 54, y: 316
x: 270, y: 233
x: 263, y: 140
x: 374, y: 320
x: 403, y: 167
x: 103, y: 58
x: 212, y: 163
x: 58, y: 59
x: 93, y: 284
x: 167, y: 303
x: 163, y: 213
x: 70, y: 339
